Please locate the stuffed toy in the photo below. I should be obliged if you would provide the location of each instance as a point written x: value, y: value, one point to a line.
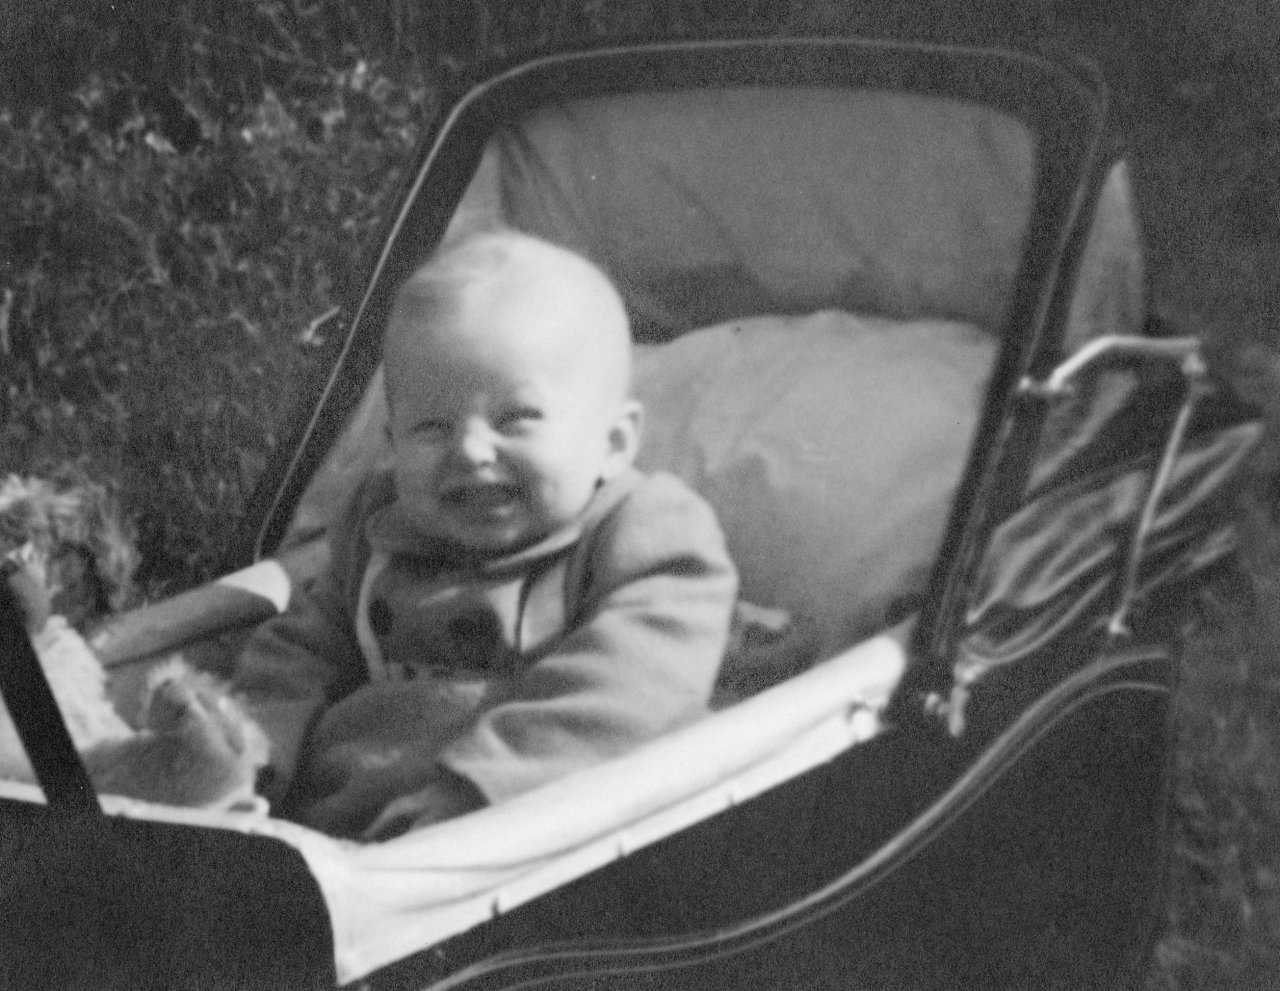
x: 67, y: 559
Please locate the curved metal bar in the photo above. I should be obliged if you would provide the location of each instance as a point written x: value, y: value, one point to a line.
x: 1195, y: 374
x: 1185, y: 350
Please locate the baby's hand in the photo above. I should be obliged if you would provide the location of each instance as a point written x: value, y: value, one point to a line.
x: 25, y: 575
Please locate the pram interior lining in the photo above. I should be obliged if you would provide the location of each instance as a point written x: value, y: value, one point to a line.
x: 709, y: 205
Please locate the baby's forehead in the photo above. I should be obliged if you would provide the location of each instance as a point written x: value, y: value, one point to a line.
x: 512, y: 296
x: 513, y: 341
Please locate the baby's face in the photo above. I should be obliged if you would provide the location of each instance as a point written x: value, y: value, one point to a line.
x: 501, y: 427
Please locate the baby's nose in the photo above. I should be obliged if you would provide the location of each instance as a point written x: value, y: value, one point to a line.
x: 476, y: 442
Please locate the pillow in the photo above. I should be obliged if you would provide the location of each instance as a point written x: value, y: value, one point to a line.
x: 830, y: 445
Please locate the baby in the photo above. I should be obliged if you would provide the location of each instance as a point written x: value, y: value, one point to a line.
x: 512, y: 600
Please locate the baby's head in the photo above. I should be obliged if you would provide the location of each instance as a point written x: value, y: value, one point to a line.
x: 508, y: 381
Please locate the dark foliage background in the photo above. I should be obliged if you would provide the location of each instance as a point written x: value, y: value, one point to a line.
x: 192, y: 190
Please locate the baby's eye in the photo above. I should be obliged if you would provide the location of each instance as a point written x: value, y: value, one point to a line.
x: 518, y: 418
x: 430, y: 429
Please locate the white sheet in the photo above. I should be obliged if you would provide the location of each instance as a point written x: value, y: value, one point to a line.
x: 392, y: 899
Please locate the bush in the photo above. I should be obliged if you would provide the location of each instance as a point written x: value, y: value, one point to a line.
x: 1224, y: 904
x: 170, y: 279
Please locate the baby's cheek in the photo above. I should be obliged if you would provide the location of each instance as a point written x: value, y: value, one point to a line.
x: 561, y: 500
x: 415, y: 489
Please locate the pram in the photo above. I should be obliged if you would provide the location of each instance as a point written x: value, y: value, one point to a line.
x: 890, y: 320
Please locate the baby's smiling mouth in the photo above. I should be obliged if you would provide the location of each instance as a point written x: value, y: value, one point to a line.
x: 480, y: 497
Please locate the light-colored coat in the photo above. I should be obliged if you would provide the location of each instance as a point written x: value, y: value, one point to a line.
x: 408, y: 671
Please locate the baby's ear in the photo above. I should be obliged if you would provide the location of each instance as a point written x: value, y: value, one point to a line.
x: 623, y: 439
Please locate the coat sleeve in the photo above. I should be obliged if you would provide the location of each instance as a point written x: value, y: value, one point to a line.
x: 299, y: 662
x: 654, y: 593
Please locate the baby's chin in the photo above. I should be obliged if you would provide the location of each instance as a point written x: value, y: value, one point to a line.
x: 469, y: 537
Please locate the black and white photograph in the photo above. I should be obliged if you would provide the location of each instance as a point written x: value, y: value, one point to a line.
x: 639, y: 495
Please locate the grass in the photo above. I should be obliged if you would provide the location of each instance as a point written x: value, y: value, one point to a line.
x: 1224, y: 905
x: 212, y: 175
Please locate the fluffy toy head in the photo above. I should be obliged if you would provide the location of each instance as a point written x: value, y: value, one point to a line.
x: 79, y: 538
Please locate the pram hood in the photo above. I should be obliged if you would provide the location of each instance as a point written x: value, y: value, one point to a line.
x: 772, y: 189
